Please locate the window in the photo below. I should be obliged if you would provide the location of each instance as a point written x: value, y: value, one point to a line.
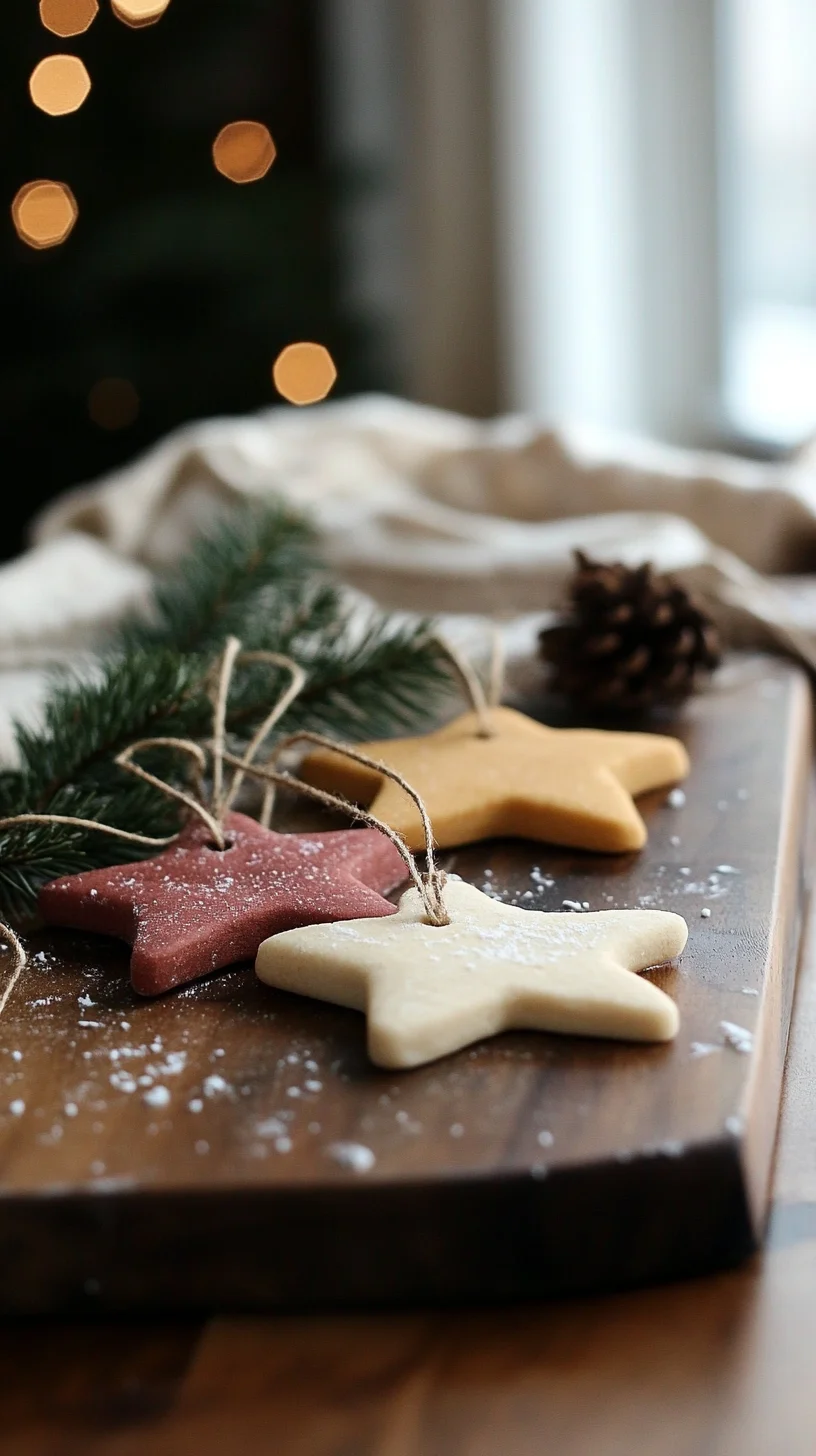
x: 657, y: 184
x: 769, y: 217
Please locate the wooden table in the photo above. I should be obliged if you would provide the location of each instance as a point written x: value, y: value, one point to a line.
x: 714, y: 1367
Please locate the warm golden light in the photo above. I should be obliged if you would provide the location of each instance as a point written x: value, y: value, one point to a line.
x: 113, y: 404
x: 68, y: 17
x: 44, y: 213
x: 59, y: 84
x: 139, y: 12
x: 244, y: 151
x: 304, y: 373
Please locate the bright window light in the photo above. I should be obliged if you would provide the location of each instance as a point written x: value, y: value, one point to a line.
x: 769, y: 218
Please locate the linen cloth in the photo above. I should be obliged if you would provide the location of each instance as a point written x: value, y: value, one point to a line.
x: 424, y: 511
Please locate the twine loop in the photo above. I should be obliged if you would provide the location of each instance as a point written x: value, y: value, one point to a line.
x: 430, y: 884
x: 222, y: 799
x: 194, y: 801
x: 481, y: 702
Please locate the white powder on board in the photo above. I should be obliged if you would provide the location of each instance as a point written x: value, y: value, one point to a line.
x: 355, y: 1157
x: 737, y: 1037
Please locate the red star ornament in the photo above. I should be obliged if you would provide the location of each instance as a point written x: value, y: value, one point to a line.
x: 194, y: 908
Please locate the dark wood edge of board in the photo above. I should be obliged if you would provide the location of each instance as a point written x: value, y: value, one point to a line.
x: 792, y: 891
x: 524, y: 1242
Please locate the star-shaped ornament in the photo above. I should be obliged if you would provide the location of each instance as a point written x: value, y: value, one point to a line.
x: 195, y: 908
x: 428, y: 990
x: 570, y: 786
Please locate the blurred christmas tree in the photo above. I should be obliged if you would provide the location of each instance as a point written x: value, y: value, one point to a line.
x: 174, y: 280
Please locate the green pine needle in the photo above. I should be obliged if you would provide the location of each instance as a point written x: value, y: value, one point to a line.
x: 255, y: 575
x: 258, y: 556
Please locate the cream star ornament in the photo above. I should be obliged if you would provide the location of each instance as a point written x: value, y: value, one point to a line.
x: 428, y: 990
x: 565, y: 786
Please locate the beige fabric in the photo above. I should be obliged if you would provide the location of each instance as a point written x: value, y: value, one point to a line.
x: 422, y: 510
x: 432, y: 489
x: 431, y: 511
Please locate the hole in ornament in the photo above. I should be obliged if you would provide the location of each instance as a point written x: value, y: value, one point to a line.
x: 229, y: 843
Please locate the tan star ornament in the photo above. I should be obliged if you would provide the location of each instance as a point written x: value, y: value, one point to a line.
x: 570, y: 786
x: 428, y: 990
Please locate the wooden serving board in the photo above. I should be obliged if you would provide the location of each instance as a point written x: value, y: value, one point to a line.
x: 182, y: 1153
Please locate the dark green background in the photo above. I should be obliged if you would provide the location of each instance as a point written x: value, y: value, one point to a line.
x: 174, y: 278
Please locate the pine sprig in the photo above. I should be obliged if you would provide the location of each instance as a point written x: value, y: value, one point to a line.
x: 255, y: 575
x: 32, y: 854
x: 135, y: 694
x: 256, y: 552
x: 372, y: 689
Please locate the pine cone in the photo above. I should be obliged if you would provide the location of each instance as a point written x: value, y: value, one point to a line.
x: 630, y: 640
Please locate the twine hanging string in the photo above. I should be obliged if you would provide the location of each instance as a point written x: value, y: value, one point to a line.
x: 498, y: 666
x: 18, y: 964
x: 229, y: 659
x: 481, y: 702
x: 194, y: 800
x: 222, y: 799
x: 296, y: 686
x: 431, y: 884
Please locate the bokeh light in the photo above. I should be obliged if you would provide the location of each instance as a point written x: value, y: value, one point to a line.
x: 139, y: 12
x: 68, y: 17
x: 113, y: 404
x: 59, y: 84
x: 304, y: 373
x: 44, y: 213
x: 244, y: 151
